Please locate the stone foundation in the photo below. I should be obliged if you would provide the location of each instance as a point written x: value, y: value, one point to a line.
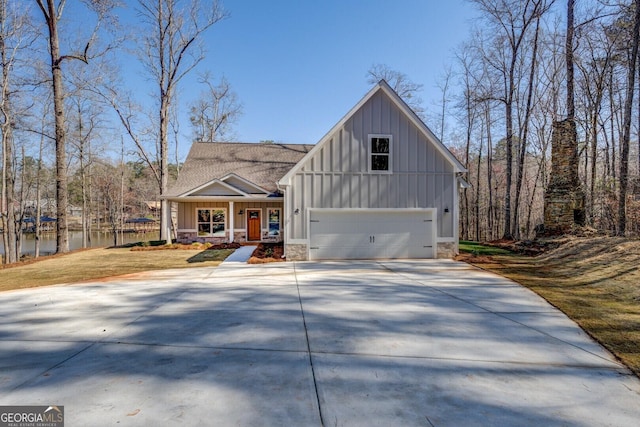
x: 238, y: 237
x: 296, y: 252
x: 188, y: 237
x: 447, y: 250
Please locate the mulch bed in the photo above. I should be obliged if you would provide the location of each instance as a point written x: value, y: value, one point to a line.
x: 267, y: 252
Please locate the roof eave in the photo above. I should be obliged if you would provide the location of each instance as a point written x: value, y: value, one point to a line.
x: 191, y: 199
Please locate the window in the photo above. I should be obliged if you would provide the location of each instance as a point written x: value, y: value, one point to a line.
x: 380, y: 153
x: 211, y: 222
x: 274, y: 221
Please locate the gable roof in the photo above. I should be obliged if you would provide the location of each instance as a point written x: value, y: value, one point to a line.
x: 395, y: 98
x: 261, y: 165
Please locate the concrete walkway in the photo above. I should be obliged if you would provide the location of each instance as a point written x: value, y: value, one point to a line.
x: 424, y: 343
x: 240, y: 255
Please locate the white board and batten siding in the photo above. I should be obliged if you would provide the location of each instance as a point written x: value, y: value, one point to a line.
x: 352, y: 197
x: 336, y: 234
x: 338, y: 176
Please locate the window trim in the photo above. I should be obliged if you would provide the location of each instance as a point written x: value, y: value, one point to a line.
x: 279, y: 221
x: 370, y: 154
x: 226, y: 219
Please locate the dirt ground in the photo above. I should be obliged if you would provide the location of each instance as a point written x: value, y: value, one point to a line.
x: 595, y: 281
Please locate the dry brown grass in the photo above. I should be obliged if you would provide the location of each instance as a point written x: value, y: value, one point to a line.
x: 100, y: 263
x: 595, y: 281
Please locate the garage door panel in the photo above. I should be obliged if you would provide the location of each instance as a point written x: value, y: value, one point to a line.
x: 371, y: 234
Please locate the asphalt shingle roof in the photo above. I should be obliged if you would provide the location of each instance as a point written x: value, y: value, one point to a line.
x: 261, y: 164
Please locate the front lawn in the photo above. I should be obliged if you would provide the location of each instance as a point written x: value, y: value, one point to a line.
x: 100, y: 263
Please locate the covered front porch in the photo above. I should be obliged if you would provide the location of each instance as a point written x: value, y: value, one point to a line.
x: 226, y: 221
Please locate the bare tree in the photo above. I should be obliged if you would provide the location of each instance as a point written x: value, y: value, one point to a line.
x: 444, y: 87
x: 171, y: 49
x: 594, y: 68
x: 524, y: 134
x: 215, y: 111
x: 628, y: 109
x: 470, y: 110
x: 511, y: 20
x: 108, y: 183
x: 7, y: 212
x: 571, y: 108
x: 400, y: 83
x: 52, y: 11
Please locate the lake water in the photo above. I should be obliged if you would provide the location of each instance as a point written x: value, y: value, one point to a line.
x: 98, y: 239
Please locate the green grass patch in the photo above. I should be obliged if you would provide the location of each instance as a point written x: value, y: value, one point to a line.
x: 478, y: 249
x: 211, y: 255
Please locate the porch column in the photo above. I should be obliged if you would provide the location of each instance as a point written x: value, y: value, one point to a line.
x: 231, y: 224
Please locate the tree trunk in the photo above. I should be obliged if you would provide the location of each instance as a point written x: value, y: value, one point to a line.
x: 491, y: 211
x: 38, y: 197
x: 470, y: 120
x: 509, y: 142
x: 477, y: 204
x: 62, y: 197
x: 8, y: 173
x: 525, y: 132
x: 571, y: 109
x: 626, y: 137
x: 594, y: 155
x: 164, y: 166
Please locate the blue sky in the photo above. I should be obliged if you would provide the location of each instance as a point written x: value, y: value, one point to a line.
x: 298, y: 66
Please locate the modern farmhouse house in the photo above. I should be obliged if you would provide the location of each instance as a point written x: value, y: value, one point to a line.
x: 378, y: 185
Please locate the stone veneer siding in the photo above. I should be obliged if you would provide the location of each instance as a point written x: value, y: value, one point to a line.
x: 238, y: 236
x: 446, y: 250
x: 295, y: 252
x: 191, y: 237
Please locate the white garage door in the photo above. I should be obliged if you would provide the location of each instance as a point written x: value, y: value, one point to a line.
x: 371, y: 234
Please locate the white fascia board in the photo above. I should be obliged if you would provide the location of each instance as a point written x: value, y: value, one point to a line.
x: 457, y: 166
x: 246, y: 181
x: 238, y: 199
x: 213, y: 182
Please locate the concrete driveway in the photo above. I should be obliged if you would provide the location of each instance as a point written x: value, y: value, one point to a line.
x: 425, y: 343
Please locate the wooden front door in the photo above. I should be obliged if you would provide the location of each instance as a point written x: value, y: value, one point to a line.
x: 254, y: 225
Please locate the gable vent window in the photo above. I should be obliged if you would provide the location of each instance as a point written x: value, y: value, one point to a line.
x: 380, y: 153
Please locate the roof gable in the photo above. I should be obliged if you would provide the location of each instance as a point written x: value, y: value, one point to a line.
x: 243, y: 185
x: 384, y: 88
x: 216, y: 188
